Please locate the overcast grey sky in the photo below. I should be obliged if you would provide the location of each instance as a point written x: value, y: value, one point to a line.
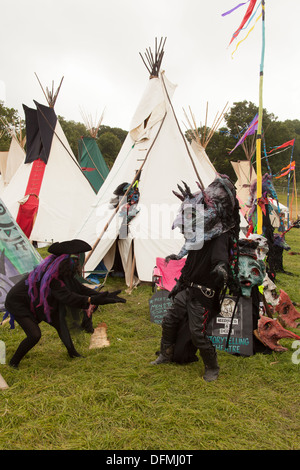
x: 95, y: 45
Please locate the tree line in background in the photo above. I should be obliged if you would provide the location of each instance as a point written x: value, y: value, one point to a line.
x: 236, y: 121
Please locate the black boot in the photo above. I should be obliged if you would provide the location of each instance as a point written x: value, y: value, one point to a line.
x: 165, y: 355
x: 209, y: 357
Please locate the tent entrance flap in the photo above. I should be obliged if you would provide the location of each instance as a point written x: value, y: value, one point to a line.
x: 29, y: 205
x: 120, y: 260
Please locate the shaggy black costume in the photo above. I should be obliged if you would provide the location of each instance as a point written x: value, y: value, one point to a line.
x: 39, y: 298
x: 196, y: 301
x: 205, y: 273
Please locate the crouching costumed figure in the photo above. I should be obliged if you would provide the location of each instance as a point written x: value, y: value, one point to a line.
x: 48, y: 291
x: 209, y: 220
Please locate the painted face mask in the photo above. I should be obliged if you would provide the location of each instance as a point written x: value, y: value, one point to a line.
x: 270, y: 293
x: 262, y: 248
x: 252, y: 271
x: 205, y: 214
x: 288, y: 315
x: 269, y: 332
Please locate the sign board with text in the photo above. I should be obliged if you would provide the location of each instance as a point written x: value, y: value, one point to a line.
x: 241, y: 336
x: 159, y: 305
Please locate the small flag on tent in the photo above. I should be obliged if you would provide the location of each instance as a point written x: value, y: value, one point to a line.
x: 286, y: 144
x: 286, y: 170
x: 250, y: 131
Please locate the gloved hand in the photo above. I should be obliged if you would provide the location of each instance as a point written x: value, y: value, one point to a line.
x: 220, y: 276
x: 170, y: 257
x: 107, y: 298
x: 177, y: 288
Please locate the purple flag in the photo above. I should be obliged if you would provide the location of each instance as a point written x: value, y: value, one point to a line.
x: 250, y: 131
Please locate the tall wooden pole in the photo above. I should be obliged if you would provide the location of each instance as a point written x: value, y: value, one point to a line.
x: 288, y: 188
x: 259, y: 127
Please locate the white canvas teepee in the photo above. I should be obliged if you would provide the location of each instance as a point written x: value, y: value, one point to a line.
x: 11, y: 160
x: 3, y: 161
x: 48, y: 195
x: 157, y: 153
x: 245, y: 177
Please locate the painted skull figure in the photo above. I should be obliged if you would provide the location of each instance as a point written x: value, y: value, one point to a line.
x: 262, y: 248
x: 205, y: 214
x: 270, y: 331
x: 270, y: 293
x: 287, y: 313
x: 252, y: 271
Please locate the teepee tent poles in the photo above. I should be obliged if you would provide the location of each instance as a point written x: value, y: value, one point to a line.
x: 91, y: 124
x: 201, y: 138
x: 51, y: 96
x: 155, y: 61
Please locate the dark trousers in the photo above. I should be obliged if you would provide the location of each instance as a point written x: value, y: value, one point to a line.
x: 187, y: 306
x: 33, y: 335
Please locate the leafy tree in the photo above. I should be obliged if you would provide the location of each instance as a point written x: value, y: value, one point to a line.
x: 120, y: 133
x: 11, y: 117
x: 109, y: 145
x: 73, y: 132
x: 275, y: 133
x: 108, y: 139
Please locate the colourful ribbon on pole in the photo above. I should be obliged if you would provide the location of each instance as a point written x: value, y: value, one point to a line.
x: 247, y: 19
x: 286, y: 144
x: 286, y: 170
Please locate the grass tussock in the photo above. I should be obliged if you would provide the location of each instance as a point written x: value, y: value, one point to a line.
x: 114, y: 399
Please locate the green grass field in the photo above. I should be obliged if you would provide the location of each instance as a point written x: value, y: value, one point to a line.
x: 113, y: 399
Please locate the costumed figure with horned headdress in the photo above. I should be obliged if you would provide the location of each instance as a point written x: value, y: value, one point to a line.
x: 48, y: 291
x: 209, y: 220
